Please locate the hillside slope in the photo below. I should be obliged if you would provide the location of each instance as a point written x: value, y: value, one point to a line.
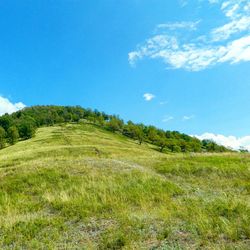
x: 81, y: 187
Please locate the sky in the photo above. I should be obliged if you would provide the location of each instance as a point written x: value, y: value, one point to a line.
x: 179, y: 65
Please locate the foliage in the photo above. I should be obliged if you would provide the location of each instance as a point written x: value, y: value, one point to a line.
x: 2, y: 137
x: 13, y: 135
x: 134, y: 131
x: 29, y: 119
x: 26, y: 130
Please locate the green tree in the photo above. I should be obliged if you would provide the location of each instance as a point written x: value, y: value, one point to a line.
x: 2, y: 137
x: 6, y: 121
x: 195, y: 145
x: 185, y: 146
x: 114, y: 124
x: 139, y: 134
x: 67, y: 117
x: 209, y: 145
x: 12, y: 135
x: 134, y: 131
x: 176, y: 149
x: 162, y: 143
x: 100, y: 120
x: 243, y: 150
x: 75, y: 118
x: 171, y: 144
x: 152, y: 134
x: 26, y: 130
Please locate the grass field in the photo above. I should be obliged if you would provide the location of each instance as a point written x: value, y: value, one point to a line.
x: 80, y: 187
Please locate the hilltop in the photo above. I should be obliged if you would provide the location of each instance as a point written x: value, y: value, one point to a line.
x: 81, y: 186
x: 23, y: 124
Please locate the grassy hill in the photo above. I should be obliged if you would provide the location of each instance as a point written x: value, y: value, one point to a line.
x: 82, y: 187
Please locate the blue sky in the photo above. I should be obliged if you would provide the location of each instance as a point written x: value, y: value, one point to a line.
x: 180, y: 65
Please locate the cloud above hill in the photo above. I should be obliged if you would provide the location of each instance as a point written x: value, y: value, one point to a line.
x: 6, y: 106
x: 148, y: 97
x: 228, y: 141
x: 228, y: 43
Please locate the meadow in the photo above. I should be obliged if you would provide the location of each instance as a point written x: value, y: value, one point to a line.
x: 78, y: 186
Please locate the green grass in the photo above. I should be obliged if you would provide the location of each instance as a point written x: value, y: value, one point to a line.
x: 80, y: 187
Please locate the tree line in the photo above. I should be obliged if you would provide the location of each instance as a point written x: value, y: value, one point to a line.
x: 22, y: 125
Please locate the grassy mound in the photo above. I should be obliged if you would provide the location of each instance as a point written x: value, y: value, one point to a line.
x: 80, y: 187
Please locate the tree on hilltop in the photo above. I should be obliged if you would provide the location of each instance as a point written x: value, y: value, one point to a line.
x: 2, y: 137
x: 26, y: 130
x: 13, y: 135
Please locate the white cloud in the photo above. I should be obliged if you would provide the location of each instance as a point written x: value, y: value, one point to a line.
x: 225, y: 5
x: 204, y: 51
x: 148, y: 97
x: 186, y: 117
x: 227, y: 141
x: 236, y: 51
x: 152, y: 46
x: 227, y: 30
x: 7, y: 107
x: 133, y: 56
x: 231, y: 11
x: 167, y: 118
x: 238, y: 13
x: 179, y: 25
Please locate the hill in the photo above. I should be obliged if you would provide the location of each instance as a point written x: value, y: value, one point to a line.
x: 23, y: 124
x: 80, y: 186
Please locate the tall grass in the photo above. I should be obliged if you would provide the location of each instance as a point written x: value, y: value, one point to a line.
x: 79, y: 187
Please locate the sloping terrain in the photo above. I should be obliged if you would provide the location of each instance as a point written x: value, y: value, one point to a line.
x: 81, y: 187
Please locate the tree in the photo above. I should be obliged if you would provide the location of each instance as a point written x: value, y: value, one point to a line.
x: 26, y: 130
x: 209, y: 145
x: 176, y: 149
x: 12, y: 135
x: 67, y: 117
x: 30, y: 118
x: 139, y: 134
x: 185, y: 146
x: 243, y: 150
x: 152, y: 134
x: 115, y: 124
x: 6, y: 121
x: 2, y: 137
x: 162, y: 143
x: 195, y: 145
x: 75, y: 118
x: 171, y: 144
x: 100, y: 121
x: 134, y: 131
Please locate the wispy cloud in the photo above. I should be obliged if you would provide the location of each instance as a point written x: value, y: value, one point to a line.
x: 226, y: 31
x: 7, y: 106
x: 238, y: 15
x: 227, y: 141
x: 229, y: 43
x: 167, y: 118
x: 179, y: 25
x: 187, y: 117
x: 148, y: 97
